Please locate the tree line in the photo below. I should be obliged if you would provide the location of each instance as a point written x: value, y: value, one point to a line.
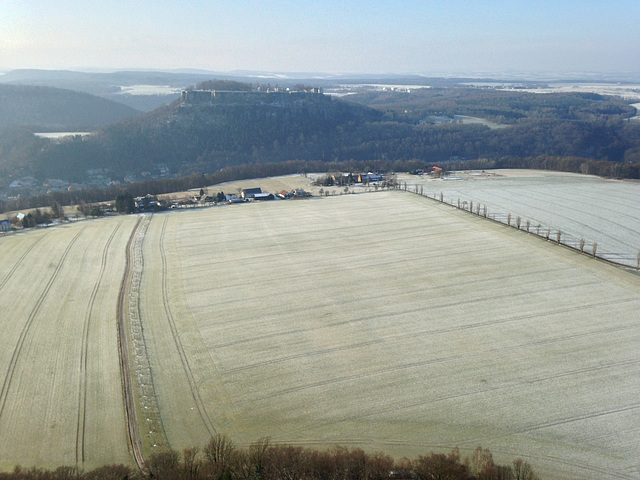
x: 88, y: 196
x: 221, y: 459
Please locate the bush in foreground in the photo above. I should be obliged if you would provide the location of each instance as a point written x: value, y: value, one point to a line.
x: 221, y: 459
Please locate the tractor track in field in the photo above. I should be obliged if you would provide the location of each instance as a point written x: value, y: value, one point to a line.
x: 438, y: 360
x: 82, y: 387
x: 133, y: 432
x: 193, y: 384
x: 6, y: 385
x: 19, y: 262
x: 144, y: 423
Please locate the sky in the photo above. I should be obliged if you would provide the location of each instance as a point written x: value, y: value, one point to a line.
x: 336, y: 37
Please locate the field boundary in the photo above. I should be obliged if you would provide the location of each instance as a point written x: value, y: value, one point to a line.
x: 133, y: 434
x: 137, y: 383
x: 547, y: 233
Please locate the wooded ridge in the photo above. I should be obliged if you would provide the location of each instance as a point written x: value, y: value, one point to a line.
x: 422, y: 126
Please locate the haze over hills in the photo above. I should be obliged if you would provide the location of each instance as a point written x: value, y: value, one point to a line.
x: 374, y: 120
x: 120, y: 86
x: 55, y: 109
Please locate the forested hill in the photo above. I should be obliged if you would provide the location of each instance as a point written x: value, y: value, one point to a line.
x: 203, y: 133
x: 56, y: 109
x: 183, y: 138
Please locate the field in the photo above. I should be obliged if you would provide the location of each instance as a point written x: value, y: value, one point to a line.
x: 61, y: 400
x: 581, y: 206
x: 383, y: 320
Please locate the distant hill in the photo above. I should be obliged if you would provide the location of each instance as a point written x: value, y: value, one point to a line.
x: 113, y: 85
x: 205, y: 132
x: 183, y: 138
x: 54, y: 109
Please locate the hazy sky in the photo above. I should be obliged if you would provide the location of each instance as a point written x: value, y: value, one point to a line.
x: 342, y: 36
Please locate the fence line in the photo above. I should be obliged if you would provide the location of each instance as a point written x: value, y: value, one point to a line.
x: 552, y: 234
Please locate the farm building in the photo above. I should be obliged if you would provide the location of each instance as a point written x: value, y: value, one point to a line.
x: 5, y: 226
x: 369, y: 177
x: 233, y: 198
x: 250, y: 192
x: 263, y: 196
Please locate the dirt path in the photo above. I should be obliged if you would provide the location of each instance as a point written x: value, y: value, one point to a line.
x: 144, y: 424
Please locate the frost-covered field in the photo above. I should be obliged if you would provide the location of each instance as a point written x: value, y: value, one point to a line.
x: 581, y: 206
x: 60, y: 388
x: 381, y: 320
x: 394, y: 323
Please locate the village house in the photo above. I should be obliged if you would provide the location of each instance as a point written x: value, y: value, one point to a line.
x: 263, y: 196
x: 5, y: 226
x: 248, y: 193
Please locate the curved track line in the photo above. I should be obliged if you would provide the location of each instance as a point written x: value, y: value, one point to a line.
x: 82, y: 386
x: 193, y: 385
x: 19, y: 262
x: 27, y: 326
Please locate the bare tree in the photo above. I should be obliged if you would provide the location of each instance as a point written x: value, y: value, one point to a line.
x: 523, y: 470
x: 509, y: 219
x: 518, y: 220
x: 558, y: 236
x: 595, y: 248
x: 582, y: 245
x: 481, y: 460
x: 527, y: 225
x: 257, y: 455
x: 191, y: 464
x: 219, y: 453
x: 165, y: 464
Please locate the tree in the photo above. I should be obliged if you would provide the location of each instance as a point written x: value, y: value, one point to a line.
x: 257, y: 456
x: 110, y: 472
x: 523, y: 470
x: 28, y: 221
x: 165, y: 465
x: 219, y: 453
x: 438, y: 466
x: 481, y: 465
x: 56, y: 210
x: 125, y: 203
x: 190, y: 464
